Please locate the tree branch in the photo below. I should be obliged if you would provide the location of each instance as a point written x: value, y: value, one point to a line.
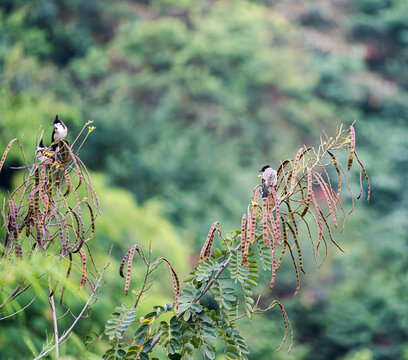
x: 54, y: 319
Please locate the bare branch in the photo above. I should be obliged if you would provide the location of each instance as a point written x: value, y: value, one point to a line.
x: 54, y: 320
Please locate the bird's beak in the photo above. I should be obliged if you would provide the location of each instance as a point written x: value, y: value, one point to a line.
x: 259, y: 175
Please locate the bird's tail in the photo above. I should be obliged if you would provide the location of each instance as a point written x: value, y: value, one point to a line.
x: 265, y: 192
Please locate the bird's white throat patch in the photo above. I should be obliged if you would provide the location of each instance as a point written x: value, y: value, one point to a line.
x: 61, y: 130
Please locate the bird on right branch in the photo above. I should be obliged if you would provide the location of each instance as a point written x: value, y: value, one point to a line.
x: 269, y: 178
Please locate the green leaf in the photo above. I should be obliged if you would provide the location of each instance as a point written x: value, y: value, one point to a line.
x: 175, y: 343
x: 252, y: 282
x: 249, y: 300
x: 142, y: 329
x: 143, y: 356
x: 175, y: 334
x: 254, y: 276
x: 232, y: 356
x: 122, y: 318
x: 183, y: 307
x: 232, y: 348
x: 189, y: 347
x: 209, y: 352
x: 196, y: 308
x: 230, y: 298
x: 186, y: 315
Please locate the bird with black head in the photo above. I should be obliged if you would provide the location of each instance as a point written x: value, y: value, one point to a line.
x: 269, y: 178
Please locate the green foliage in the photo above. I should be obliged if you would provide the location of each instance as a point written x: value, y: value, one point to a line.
x: 383, y: 26
x: 206, y: 269
x: 56, y: 32
x: 120, y: 321
x: 265, y: 256
x: 223, y: 292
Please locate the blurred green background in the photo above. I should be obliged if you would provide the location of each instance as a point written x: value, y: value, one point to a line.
x: 191, y: 98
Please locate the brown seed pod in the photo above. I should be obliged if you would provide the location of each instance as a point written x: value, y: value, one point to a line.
x: 84, y: 271
x: 265, y: 220
x: 252, y: 222
x: 277, y: 213
x: 329, y: 199
x: 295, y: 168
x: 3, y: 158
x: 319, y: 220
x: 352, y: 147
x: 244, y: 241
x: 176, y: 282
x: 206, y: 249
x: 130, y: 255
x: 366, y: 176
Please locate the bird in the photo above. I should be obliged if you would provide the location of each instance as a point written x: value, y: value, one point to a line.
x: 43, y: 155
x: 39, y: 152
x: 59, y: 133
x: 269, y: 178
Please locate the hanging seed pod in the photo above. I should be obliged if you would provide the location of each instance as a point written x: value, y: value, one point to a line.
x: 206, y: 250
x: 130, y: 255
x: 92, y: 222
x: 295, y: 168
x: 295, y: 238
x: 84, y: 271
x: 366, y: 176
x: 285, y: 244
x: 274, y: 265
x: 176, y: 283
x: 277, y: 213
x: 12, y: 223
x: 265, y: 221
x: 3, y: 158
x: 252, y: 222
x: 122, y: 264
x: 244, y: 241
x: 309, y: 192
x: 319, y: 224
x: 336, y: 166
x: 286, y: 322
x: 296, y: 269
x: 329, y: 200
x: 19, y: 251
x: 50, y: 185
x: 352, y: 147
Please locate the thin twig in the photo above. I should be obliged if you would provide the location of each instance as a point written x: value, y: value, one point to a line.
x: 54, y: 319
x: 145, y: 279
x: 25, y: 307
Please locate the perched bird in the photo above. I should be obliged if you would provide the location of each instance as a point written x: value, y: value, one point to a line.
x: 39, y: 152
x: 42, y: 155
x: 59, y: 133
x: 269, y: 178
